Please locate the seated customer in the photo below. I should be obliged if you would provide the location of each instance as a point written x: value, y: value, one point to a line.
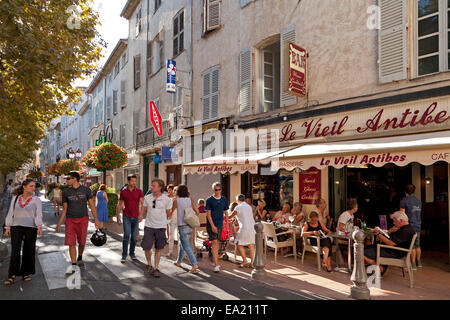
x: 297, y: 213
x: 282, y: 216
x: 347, y: 217
x: 312, y: 228
x: 401, y: 237
x: 261, y: 214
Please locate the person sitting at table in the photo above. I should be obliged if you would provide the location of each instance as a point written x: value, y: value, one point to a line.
x: 347, y: 217
x: 297, y: 213
x: 261, y: 214
x: 400, y: 236
x: 324, y: 216
x: 312, y: 228
x: 282, y: 216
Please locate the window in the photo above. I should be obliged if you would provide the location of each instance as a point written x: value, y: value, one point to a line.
x: 96, y: 114
x: 178, y: 33
x: 433, y: 33
x: 123, y: 102
x: 138, y: 22
x: 115, y: 102
x: 157, y: 4
x: 124, y: 59
x: 177, y: 98
x: 108, y: 107
x: 161, y: 54
x: 122, y: 135
x: 149, y: 58
x: 116, y: 69
x: 270, y: 85
x: 211, y: 94
x: 100, y: 105
x: 137, y: 71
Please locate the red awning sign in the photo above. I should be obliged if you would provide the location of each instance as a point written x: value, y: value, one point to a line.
x: 155, y: 118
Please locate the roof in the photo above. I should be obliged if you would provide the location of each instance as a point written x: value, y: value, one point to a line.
x: 115, y: 55
x: 129, y: 8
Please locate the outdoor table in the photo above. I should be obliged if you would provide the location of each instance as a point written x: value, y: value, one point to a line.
x: 297, y: 230
x: 339, y: 258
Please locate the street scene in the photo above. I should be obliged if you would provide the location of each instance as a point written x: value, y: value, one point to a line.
x: 223, y: 150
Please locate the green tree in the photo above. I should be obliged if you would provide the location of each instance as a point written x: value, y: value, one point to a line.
x: 45, y: 45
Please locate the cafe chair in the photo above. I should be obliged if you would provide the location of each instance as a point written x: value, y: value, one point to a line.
x: 404, y: 262
x: 307, y: 247
x: 271, y: 240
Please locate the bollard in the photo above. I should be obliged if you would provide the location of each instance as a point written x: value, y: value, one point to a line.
x: 259, y: 261
x: 359, y: 289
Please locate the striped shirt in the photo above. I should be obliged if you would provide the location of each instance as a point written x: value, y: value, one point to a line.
x: 29, y: 216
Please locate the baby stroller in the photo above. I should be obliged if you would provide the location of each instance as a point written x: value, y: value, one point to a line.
x: 223, y: 243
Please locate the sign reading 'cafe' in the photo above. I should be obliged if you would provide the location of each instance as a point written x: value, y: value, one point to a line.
x: 392, y: 119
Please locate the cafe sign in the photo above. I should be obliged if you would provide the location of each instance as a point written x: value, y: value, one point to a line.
x: 416, y: 116
x: 296, y: 70
x: 221, y: 168
x: 309, y: 185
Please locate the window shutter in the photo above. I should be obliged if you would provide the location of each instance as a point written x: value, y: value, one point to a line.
x: 213, y: 15
x: 137, y: 71
x: 123, y: 102
x: 149, y: 58
x: 122, y: 135
x: 135, y: 125
x: 392, y: 40
x: 206, y: 95
x: 115, y: 102
x: 287, y: 35
x: 215, y: 94
x: 108, y: 108
x: 245, y: 80
x: 116, y: 138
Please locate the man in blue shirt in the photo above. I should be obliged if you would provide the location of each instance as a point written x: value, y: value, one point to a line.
x: 413, y: 208
x: 216, y: 207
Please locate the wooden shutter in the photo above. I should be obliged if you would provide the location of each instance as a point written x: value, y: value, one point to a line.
x: 135, y: 125
x: 245, y: 80
x: 287, y: 35
x: 392, y: 40
x: 137, y: 71
x: 115, y: 102
x: 123, y: 101
x: 215, y: 94
x: 213, y: 15
x: 206, y: 96
x: 149, y: 58
x: 122, y: 135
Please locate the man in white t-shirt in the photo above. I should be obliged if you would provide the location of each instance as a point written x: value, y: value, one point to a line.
x: 347, y: 217
x: 157, y: 208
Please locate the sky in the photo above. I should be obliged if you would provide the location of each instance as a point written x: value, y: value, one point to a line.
x: 112, y: 29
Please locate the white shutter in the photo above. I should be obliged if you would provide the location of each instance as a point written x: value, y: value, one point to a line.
x: 215, y: 94
x: 137, y: 71
x: 123, y: 102
x: 108, y: 108
x: 135, y: 125
x: 122, y: 135
x: 287, y: 35
x: 213, y: 14
x: 149, y: 58
x: 245, y: 80
x: 245, y: 2
x: 206, y: 96
x: 392, y: 40
x: 115, y: 102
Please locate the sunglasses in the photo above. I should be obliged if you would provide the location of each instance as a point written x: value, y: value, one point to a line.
x: 69, y: 178
x: 217, y: 189
x: 154, y: 203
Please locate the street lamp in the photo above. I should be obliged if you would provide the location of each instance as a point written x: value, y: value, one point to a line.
x: 70, y: 154
x: 78, y: 154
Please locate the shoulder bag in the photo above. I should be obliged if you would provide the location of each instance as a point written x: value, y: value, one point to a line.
x: 191, y: 218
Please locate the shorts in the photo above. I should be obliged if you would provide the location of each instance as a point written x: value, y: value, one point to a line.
x: 76, y: 230
x: 213, y: 236
x: 417, y: 242
x: 154, y: 236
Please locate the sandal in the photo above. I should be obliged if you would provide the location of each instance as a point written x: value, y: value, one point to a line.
x: 10, y: 281
x: 148, y: 270
x: 194, y: 270
x: 26, y: 278
x: 177, y: 264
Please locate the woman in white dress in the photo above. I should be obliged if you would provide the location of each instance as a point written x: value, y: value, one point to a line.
x: 245, y: 236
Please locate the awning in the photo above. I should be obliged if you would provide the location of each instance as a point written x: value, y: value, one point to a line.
x: 231, y: 163
x: 426, y: 149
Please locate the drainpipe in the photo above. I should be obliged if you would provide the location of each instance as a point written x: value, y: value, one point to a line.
x: 146, y: 71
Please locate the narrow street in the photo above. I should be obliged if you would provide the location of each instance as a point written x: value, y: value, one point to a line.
x: 105, y: 278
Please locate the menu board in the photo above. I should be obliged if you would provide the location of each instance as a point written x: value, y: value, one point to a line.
x: 309, y: 186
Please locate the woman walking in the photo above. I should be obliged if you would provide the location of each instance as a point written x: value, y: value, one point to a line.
x: 102, y: 206
x: 56, y: 199
x: 23, y: 224
x: 181, y: 203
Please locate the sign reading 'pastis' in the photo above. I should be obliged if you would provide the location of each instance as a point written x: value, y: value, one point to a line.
x: 171, y: 76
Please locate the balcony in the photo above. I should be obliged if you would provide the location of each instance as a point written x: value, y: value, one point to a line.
x: 148, y: 137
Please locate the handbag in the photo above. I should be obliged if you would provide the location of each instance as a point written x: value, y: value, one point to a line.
x: 191, y: 218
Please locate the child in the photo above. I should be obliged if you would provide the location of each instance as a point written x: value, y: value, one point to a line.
x: 201, y: 206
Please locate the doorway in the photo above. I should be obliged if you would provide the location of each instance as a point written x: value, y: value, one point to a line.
x: 173, y: 175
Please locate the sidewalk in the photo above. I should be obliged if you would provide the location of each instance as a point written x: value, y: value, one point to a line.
x: 430, y: 283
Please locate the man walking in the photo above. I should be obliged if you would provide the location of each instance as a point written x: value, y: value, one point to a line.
x: 131, y: 197
x: 157, y: 209
x: 75, y: 201
x: 413, y: 209
x: 216, y: 208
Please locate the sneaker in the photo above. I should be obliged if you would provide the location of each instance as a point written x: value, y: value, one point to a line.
x: 133, y: 258
x: 123, y: 260
x: 70, y: 270
x: 419, y: 264
x: 413, y: 266
x: 216, y: 269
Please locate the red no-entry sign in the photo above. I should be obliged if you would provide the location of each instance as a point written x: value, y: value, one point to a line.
x: 155, y: 118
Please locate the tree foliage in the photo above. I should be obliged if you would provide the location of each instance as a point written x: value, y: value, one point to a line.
x: 43, y: 51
